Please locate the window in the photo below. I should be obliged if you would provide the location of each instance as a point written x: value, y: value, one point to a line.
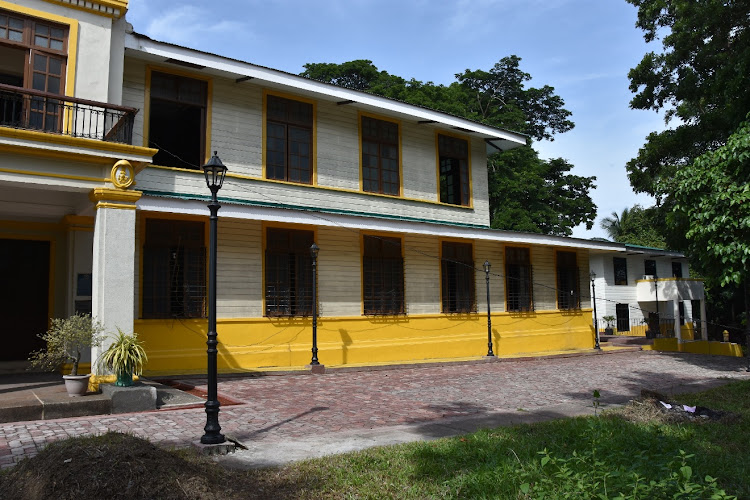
x: 454, y: 170
x: 676, y: 269
x: 457, y: 278
x: 288, y: 272
x: 380, y: 157
x: 34, y: 56
x: 622, y: 312
x: 518, y: 279
x: 383, y: 269
x: 649, y: 268
x: 289, y: 145
x: 177, y: 120
x: 174, y: 269
x: 568, y: 283
x: 681, y: 310
x: 621, y: 270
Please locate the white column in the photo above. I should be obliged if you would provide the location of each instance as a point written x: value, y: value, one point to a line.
x: 704, y: 321
x: 113, y: 262
x: 677, y: 329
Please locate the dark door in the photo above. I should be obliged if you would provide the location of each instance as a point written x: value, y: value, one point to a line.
x: 24, y: 296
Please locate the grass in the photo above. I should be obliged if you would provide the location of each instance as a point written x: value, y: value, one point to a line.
x: 633, y: 452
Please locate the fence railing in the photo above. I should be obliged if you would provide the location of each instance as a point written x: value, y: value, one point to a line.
x: 55, y: 114
x: 663, y: 326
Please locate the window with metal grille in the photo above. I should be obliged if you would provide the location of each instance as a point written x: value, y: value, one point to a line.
x: 622, y: 312
x: 177, y: 120
x: 457, y: 278
x: 380, y: 156
x: 288, y: 272
x: 289, y: 146
x: 454, y: 170
x: 518, y: 279
x: 383, y: 269
x: 568, y: 282
x: 174, y: 269
x: 621, y: 270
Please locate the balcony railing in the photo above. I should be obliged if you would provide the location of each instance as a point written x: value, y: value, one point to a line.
x: 55, y: 114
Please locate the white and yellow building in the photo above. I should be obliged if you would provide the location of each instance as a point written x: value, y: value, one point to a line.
x: 103, y: 208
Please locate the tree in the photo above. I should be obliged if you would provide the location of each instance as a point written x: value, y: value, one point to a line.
x: 538, y: 196
x: 636, y: 226
x: 712, y: 200
x: 554, y: 200
x: 701, y: 77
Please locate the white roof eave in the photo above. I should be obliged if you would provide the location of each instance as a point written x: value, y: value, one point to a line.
x: 503, y: 139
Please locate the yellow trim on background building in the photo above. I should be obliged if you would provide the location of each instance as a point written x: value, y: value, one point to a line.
x: 374, y: 116
x: 209, y: 104
x: 313, y: 153
x: 100, y: 194
x: 469, y: 166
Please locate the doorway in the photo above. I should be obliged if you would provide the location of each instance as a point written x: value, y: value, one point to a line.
x: 24, y: 296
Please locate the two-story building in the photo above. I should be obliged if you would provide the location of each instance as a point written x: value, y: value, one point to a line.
x: 648, y: 291
x: 103, y: 209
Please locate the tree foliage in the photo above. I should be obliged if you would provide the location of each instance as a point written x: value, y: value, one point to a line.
x: 712, y: 197
x: 526, y: 193
x: 701, y: 77
x: 636, y: 226
x: 538, y: 196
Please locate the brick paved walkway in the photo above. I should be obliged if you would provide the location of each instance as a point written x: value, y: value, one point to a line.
x: 292, y: 407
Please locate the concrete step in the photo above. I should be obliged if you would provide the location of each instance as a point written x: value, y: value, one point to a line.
x: 625, y: 340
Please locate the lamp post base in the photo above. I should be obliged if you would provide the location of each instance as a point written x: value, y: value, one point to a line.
x: 224, y: 448
x: 316, y: 369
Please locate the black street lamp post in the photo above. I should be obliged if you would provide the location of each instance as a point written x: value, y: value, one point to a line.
x: 214, y: 171
x: 489, y: 319
x: 314, y: 249
x: 592, y: 275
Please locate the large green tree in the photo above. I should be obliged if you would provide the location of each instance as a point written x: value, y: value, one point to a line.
x: 526, y: 192
x: 700, y: 80
x: 712, y: 202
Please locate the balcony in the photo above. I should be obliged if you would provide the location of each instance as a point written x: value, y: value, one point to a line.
x: 28, y: 109
x: 649, y: 288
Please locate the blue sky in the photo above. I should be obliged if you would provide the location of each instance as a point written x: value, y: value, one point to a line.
x: 583, y: 48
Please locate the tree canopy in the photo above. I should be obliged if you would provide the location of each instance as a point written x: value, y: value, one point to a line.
x: 526, y: 192
x: 636, y: 226
x: 701, y: 78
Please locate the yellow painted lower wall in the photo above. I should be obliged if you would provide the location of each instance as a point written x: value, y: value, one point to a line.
x: 699, y: 347
x: 179, y: 346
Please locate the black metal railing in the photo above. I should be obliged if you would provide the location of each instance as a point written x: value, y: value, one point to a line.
x: 652, y: 327
x: 55, y: 114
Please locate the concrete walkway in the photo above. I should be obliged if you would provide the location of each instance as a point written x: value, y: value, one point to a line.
x: 291, y: 417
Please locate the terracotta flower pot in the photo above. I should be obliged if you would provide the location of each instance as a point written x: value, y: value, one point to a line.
x: 76, y: 385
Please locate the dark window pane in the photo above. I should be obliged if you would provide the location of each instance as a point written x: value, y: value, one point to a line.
x: 649, y: 268
x: 621, y: 270
x: 289, y: 124
x: 457, y: 278
x: 383, y: 270
x: 380, y: 156
x: 568, y: 283
x: 288, y: 272
x: 518, y: 279
x: 454, y: 170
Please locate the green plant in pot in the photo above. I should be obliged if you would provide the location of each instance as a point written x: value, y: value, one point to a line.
x: 124, y: 357
x: 610, y: 321
x: 66, y: 340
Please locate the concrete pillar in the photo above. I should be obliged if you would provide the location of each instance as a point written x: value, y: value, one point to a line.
x: 677, y: 329
x: 704, y: 320
x: 113, y: 266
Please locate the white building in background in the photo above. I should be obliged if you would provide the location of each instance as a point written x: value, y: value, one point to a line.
x: 644, y: 285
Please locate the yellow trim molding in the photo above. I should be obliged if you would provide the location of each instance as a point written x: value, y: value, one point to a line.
x: 55, y: 176
x: 107, y: 8
x: 77, y: 223
x: 127, y: 199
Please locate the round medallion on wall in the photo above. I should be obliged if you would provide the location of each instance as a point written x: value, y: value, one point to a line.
x: 123, y: 174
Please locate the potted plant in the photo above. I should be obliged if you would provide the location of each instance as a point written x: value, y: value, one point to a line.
x: 610, y: 321
x: 124, y: 357
x: 66, y: 340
